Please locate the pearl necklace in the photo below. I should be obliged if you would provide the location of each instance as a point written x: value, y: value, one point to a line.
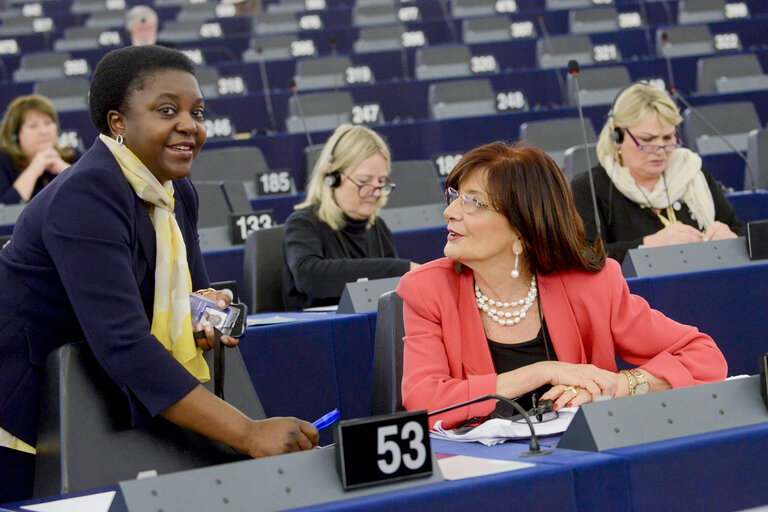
x: 507, y: 317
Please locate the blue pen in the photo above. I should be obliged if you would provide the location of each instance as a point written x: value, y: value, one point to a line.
x: 326, y: 420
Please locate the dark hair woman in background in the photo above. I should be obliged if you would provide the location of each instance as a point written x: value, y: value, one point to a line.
x: 522, y: 304
x: 30, y: 157
x: 109, y: 252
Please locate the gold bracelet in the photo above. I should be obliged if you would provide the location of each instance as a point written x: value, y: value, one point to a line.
x: 204, y: 292
x: 630, y: 382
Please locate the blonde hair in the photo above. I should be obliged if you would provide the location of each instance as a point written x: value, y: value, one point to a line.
x: 343, y: 152
x: 14, y: 118
x: 629, y: 108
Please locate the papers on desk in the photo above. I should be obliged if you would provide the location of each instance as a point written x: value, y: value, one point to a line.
x: 497, y: 430
x: 272, y: 320
x: 91, y: 503
x: 457, y: 467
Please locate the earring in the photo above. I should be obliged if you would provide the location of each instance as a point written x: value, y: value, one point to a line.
x: 515, y: 273
x: 119, y: 139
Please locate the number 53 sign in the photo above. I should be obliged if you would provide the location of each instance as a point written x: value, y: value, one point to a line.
x: 383, y: 449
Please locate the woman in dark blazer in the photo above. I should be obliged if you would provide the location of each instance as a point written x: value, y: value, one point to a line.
x: 89, y: 254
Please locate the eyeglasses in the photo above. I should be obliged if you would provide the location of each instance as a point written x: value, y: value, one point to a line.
x: 654, y: 148
x: 367, y: 190
x: 469, y: 203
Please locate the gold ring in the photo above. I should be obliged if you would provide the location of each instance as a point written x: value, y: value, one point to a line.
x: 571, y: 389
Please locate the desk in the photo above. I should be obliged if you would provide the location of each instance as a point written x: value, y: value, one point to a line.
x: 720, y: 471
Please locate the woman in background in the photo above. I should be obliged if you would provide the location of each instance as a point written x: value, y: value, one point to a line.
x: 335, y: 236
x: 29, y: 154
x: 650, y: 191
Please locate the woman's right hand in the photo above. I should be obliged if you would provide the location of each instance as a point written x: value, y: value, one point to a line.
x: 275, y: 436
x: 672, y: 235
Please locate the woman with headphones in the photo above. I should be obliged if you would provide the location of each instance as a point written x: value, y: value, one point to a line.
x: 650, y: 191
x: 29, y: 155
x: 335, y: 236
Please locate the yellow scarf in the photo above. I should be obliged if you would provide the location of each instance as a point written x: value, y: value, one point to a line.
x: 171, y: 317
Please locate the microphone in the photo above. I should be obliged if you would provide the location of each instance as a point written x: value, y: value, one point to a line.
x: 748, y: 168
x: 448, y: 20
x: 535, y: 449
x: 297, y: 102
x: 548, y: 42
x: 573, y: 70
x: 265, y: 87
x: 333, y: 43
x: 668, y: 62
x: 646, y: 28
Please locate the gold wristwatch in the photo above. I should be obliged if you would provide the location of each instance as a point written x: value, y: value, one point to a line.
x: 642, y: 386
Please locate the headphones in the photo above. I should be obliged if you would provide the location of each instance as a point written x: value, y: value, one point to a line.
x: 617, y: 135
x: 333, y: 179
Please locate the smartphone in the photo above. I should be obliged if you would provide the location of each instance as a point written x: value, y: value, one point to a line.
x: 206, y: 311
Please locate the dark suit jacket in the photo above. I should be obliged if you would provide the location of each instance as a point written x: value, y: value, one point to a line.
x: 81, y: 265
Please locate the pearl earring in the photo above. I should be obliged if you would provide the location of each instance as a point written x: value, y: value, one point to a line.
x: 515, y: 273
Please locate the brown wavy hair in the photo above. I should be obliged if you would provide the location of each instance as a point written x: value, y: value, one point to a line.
x: 526, y: 186
x: 12, y: 120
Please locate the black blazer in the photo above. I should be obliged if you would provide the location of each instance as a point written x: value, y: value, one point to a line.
x: 80, y: 265
x: 624, y: 223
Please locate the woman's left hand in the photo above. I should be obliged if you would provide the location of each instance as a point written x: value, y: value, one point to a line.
x: 222, y: 298
x: 718, y: 231
x: 567, y: 396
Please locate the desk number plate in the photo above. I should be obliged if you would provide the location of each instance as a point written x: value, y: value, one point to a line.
x: 383, y: 449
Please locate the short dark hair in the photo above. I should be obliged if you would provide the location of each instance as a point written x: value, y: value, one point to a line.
x: 527, y: 187
x: 120, y: 72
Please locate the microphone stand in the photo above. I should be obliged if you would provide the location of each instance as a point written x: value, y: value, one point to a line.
x: 265, y: 87
x: 573, y: 69
x: 533, y: 444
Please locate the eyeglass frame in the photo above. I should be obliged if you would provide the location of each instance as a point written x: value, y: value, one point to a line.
x: 656, y: 147
x: 388, y: 185
x: 451, y: 194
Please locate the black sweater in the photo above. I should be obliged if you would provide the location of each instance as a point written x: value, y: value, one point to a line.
x: 320, y: 261
x: 624, y: 223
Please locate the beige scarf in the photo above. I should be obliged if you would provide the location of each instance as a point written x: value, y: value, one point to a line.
x: 683, y: 181
x: 171, y: 317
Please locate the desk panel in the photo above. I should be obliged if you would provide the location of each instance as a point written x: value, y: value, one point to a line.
x: 727, y: 304
x: 724, y: 470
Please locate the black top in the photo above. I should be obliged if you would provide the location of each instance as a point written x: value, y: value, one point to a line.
x: 9, y: 174
x: 624, y: 223
x: 507, y: 357
x: 320, y: 261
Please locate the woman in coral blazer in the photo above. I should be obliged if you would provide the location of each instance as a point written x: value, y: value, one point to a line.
x: 522, y: 304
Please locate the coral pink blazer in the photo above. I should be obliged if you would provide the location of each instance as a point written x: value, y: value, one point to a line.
x: 591, y: 318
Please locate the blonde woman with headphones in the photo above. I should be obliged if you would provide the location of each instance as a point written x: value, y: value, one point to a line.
x: 650, y: 191
x: 29, y: 154
x: 335, y: 235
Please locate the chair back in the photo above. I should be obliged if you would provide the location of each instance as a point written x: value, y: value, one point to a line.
x: 85, y: 440
x: 262, y: 270
x: 387, y: 397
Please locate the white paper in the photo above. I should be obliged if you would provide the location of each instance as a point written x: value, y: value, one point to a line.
x: 92, y: 503
x: 498, y: 430
x: 465, y: 466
